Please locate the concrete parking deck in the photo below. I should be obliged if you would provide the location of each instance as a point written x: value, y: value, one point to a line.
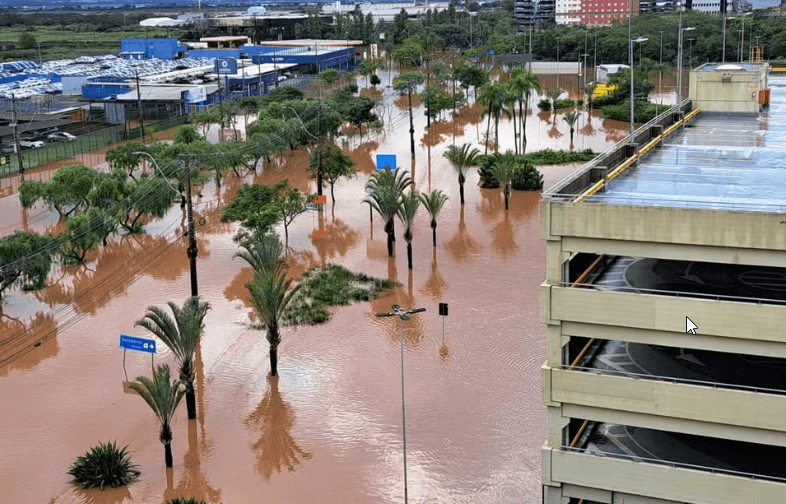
x: 718, y: 161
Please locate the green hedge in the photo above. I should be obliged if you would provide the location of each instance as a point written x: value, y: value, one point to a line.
x: 565, y: 103
x: 544, y: 105
x: 644, y: 112
x: 546, y: 156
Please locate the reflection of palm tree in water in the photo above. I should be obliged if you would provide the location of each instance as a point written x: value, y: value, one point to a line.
x: 503, y: 239
x: 435, y: 285
x: 462, y: 244
x: 276, y: 448
x: 337, y: 240
x: 118, y: 495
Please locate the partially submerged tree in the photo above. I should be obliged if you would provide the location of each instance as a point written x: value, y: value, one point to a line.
x: 126, y: 157
x: 407, y: 84
x: 571, y: 118
x: 181, y: 333
x: 25, y: 260
x: 461, y: 159
x: 66, y: 193
x: 335, y: 165
x: 386, y: 188
x: 410, y: 202
x: 433, y: 203
x: 503, y: 169
x: 163, y: 396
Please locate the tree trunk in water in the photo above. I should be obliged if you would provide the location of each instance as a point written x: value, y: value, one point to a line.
x: 411, y: 126
x: 332, y: 196
x: 168, y: 454
x: 273, y: 361
x: 409, y: 254
x: 488, y: 132
x: 507, y: 197
x: 515, y: 132
x: 434, y: 231
x: 524, y: 132
x: 391, y: 241
x: 191, y: 403
x: 461, y: 192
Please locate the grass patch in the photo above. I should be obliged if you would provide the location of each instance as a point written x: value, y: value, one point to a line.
x: 332, y: 285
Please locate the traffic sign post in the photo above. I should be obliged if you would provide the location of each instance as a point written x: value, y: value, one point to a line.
x: 136, y: 344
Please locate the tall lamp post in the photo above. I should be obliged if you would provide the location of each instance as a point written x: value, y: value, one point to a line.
x: 724, y: 36
x: 402, y: 315
x: 679, y: 67
x: 690, y: 53
x: 632, y: 97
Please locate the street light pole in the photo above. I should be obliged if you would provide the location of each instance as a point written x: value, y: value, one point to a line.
x: 690, y: 53
x: 632, y: 96
x: 679, y: 66
x: 402, y: 315
x: 742, y: 39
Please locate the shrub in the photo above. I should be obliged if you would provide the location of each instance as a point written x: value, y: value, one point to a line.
x: 546, y: 156
x: 544, y: 105
x: 104, y: 466
x: 527, y: 178
x: 179, y: 500
x: 565, y: 103
x: 602, y: 101
x: 644, y: 111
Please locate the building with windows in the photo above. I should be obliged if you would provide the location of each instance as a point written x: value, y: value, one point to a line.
x: 664, y: 304
x: 531, y: 14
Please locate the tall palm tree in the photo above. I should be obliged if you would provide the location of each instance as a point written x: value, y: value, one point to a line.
x: 385, y: 189
x: 461, y: 158
x: 524, y: 82
x: 492, y: 96
x: 406, y: 213
x: 181, y: 334
x: 433, y: 203
x: 271, y: 295
x: 509, y: 100
x: 571, y: 118
x: 554, y: 94
x: 263, y: 254
x: 503, y: 170
x: 163, y: 397
x: 589, y: 90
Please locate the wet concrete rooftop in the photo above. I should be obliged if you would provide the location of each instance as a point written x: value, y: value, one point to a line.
x: 723, y: 161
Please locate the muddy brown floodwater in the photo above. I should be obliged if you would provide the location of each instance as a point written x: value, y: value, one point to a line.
x: 328, y: 429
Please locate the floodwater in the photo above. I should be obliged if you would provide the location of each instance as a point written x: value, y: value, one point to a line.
x: 328, y: 429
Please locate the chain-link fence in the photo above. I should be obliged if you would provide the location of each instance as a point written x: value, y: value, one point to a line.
x: 55, y: 151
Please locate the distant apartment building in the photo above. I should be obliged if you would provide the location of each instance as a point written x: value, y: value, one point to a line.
x: 532, y: 14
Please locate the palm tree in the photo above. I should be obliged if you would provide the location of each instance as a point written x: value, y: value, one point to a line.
x: 407, y: 84
x: 589, y: 90
x: 509, y: 100
x: 385, y: 189
x: 524, y: 82
x: 270, y: 295
x: 571, y: 118
x: 181, y: 335
x: 503, y: 170
x: 263, y: 254
x: 461, y: 158
x: 492, y: 96
x: 433, y: 203
x: 163, y: 397
x: 554, y: 94
x: 406, y: 213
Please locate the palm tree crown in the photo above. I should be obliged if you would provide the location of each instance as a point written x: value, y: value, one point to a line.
x: 433, y: 203
x: 410, y: 203
x: 461, y: 158
x: 503, y: 169
x: 385, y: 189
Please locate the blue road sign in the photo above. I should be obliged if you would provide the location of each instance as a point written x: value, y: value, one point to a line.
x: 386, y: 160
x: 139, y: 344
x: 226, y: 66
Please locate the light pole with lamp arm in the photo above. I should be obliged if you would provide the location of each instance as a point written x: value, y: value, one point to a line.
x: 632, y: 96
x: 679, y: 67
x: 724, y: 36
x: 402, y: 315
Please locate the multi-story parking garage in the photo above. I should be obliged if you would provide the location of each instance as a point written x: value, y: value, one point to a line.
x: 641, y: 409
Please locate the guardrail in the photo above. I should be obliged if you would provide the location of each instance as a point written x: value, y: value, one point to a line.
x: 672, y: 379
x: 674, y: 464
x: 700, y: 295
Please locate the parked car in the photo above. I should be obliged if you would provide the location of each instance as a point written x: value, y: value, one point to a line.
x: 60, y: 136
x: 31, y: 144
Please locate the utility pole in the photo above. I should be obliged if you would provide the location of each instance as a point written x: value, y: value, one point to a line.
x: 14, y: 126
x: 139, y: 105
x: 191, y: 251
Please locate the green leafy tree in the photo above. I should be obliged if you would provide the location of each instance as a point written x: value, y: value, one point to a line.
x: 271, y: 295
x: 375, y: 80
x: 328, y: 76
x: 26, y: 40
x: 248, y: 207
x: 368, y: 66
x: 126, y: 157
x: 335, y: 165
x: 151, y: 197
x: 163, y: 397
x: 66, y: 193
x: 287, y: 205
x: 461, y: 159
x: 25, y: 259
x: 181, y: 333
x: 433, y: 203
x: 407, y: 84
x: 410, y: 202
x: 83, y: 235
x: 386, y: 188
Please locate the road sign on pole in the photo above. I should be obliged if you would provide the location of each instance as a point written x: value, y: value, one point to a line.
x: 384, y: 160
x: 138, y: 344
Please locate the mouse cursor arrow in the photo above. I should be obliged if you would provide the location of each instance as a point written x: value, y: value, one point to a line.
x: 690, y: 327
